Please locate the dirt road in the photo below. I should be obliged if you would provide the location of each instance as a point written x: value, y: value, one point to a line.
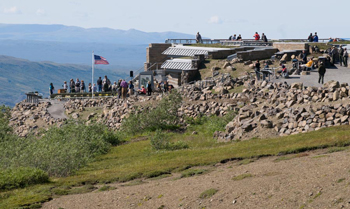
x: 315, y: 179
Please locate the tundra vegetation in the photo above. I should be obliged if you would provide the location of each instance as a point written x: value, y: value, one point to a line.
x: 76, y: 158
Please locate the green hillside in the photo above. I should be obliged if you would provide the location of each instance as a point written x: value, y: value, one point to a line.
x: 18, y: 76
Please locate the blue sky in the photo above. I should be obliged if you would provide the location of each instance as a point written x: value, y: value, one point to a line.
x: 214, y: 19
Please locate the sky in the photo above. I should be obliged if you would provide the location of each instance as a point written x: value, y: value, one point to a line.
x: 213, y: 19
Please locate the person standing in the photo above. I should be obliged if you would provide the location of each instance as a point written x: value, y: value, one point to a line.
x: 234, y: 37
x: 99, y: 84
x: 263, y: 37
x: 257, y: 70
x: 256, y: 36
x: 310, y: 38
x: 239, y: 38
x: 345, y: 57
x: 165, y: 86
x: 90, y: 88
x: 77, y: 86
x: 333, y: 52
x: 119, y: 88
x: 131, y: 88
x: 321, y: 72
x: 51, y: 88
x: 341, y: 55
x: 71, y: 86
x: 124, y: 86
x: 149, y: 88
x: 315, y: 37
x: 94, y: 88
x: 65, y: 86
x: 198, y: 38
x: 82, y: 87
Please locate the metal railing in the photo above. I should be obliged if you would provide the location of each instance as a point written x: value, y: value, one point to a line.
x: 192, y: 41
x: 223, y: 41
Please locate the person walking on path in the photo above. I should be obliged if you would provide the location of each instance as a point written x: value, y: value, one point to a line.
x: 256, y: 36
x: 257, y: 70
x: 124, y: 86
x: 321, y: 72
x: 341, y: 55
x: 345, y: 57
x: 51, y: 88
x: 99, y: 84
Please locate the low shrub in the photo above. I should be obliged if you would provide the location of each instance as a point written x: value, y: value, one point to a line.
x: 208, y: 193
x: 163, y: 116
x: 160, y: 140
x: 60, y: 151
x: 21, y: 177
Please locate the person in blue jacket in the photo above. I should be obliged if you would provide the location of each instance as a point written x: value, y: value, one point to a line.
x: 315, y: 37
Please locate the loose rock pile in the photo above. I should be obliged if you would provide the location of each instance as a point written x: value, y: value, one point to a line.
x: 289, y: 110
x: 273, y: 109
x: 30, y: 117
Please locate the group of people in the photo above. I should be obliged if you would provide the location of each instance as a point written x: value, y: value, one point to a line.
x: 120, y: 88
x: 313, y: 38
x: 235, y: 38
x: 339, y: 55
x: 256, y: 37
x: 160, y: 87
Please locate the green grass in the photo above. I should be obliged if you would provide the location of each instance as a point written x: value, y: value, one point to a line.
x: 289, y: 157
x: 193, y: 172
x: 208, y: 193
x: 242, y: 176
x: 336, y: 149
x: 138, y: 160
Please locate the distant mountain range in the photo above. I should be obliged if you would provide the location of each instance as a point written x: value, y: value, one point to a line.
x: 72, y: 34
x: 19, y: 76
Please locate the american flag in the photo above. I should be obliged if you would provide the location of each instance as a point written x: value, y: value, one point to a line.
x: 100, y: 60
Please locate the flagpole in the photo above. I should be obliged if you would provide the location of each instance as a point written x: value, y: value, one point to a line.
x: 93, y: 68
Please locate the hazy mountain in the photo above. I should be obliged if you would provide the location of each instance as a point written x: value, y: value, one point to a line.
x: 72, y: 34
x: 19, y: 76
x: 120, y: 57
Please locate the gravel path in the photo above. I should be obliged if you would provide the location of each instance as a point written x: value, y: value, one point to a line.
x: 337, y: 73
x: 56, y: 109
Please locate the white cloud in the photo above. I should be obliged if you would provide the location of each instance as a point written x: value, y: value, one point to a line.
x: 215, y: 20
x: 40, y: 12
x: 12, y: 10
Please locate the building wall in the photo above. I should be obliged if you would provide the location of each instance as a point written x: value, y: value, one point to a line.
x: 154, y: 55
x: 256, y: 55
x: 283, y: 46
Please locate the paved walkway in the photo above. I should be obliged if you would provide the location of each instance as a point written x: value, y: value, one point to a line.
x: 56, y: 109
x: 337, y: 73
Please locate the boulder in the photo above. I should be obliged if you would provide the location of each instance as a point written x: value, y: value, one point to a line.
x: 226, y: 64
x: 248, y: 62
x: 266, y: 124
x: 297, y: 85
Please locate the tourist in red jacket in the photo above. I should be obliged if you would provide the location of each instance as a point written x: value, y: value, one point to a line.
x: 256, y: 36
